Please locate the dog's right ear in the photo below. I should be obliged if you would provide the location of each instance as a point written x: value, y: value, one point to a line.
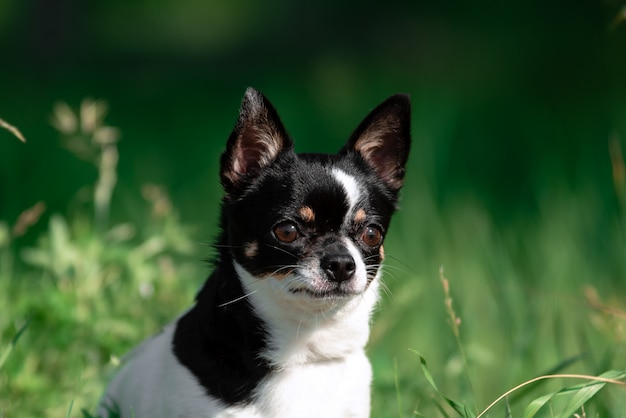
x: 256, y: 141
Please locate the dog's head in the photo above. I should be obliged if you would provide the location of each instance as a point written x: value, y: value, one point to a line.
x: 309, y: 228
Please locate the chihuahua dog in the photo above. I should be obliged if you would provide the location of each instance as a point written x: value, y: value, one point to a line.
x: 280, y: 326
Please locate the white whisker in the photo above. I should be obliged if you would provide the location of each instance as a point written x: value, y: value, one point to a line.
x: 387, y: 291
x: 221, y: 305
x: 285, y: 267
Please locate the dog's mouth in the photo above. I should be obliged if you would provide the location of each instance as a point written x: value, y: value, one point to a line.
x: 334, y: 293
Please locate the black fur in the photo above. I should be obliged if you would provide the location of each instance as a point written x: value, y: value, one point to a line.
x: 220, y: 344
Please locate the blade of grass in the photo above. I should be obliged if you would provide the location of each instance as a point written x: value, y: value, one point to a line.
x: 455, y: 324
x: 86, y: 414
x: 554, y: 370
x: 441, y: 409
x: 537, y: 404
x: 69, y: 410
x: 7, y: 350
x: 508, y: 413
x: 397, y: 383
x: 4, y: 124
x: 460, y: 408
x: 582, y: 393
x: 587, y: 391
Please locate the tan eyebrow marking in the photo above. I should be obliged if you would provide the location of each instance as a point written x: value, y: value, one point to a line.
x: 251, y: 249
x: 307, y: 214
x: 360, y: 216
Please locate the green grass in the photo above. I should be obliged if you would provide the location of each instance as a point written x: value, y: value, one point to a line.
x: 523, y: 300
x: 538, y: 295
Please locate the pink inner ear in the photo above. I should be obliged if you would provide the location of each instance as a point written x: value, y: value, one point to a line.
x: 256, y: 140
x: 247, y: 158
x: 382, y: 154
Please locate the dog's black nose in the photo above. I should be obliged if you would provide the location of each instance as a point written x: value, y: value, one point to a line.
x: 338, y: 267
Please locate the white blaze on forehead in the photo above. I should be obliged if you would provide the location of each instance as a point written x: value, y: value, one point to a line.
x: 350, y: 186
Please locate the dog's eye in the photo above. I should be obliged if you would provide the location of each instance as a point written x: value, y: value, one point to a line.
x: 286, y: 232
x: 372, y: 236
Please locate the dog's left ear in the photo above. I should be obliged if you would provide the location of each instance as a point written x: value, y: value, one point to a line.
x: 255, y: 142
x: 383, y: 139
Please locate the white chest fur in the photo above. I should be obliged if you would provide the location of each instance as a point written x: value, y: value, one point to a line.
x: 332, y: 389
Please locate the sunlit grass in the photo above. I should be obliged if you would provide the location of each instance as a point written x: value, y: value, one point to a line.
x: 16, y: 132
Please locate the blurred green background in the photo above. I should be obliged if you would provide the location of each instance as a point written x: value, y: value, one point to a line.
x: 511, y: 186
x: 509, y: 97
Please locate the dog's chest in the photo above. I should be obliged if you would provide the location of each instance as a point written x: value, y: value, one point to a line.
x: 337, y: 388
x: 322, y: 367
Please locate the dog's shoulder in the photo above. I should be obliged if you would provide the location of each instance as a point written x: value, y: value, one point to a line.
x: 152, y: 383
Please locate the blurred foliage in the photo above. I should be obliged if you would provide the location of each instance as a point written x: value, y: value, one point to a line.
x: 61, y: 323
x: 515, y: 181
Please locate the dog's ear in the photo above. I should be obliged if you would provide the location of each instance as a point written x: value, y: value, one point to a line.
x: 383, y: 139
x: 255, y: 142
